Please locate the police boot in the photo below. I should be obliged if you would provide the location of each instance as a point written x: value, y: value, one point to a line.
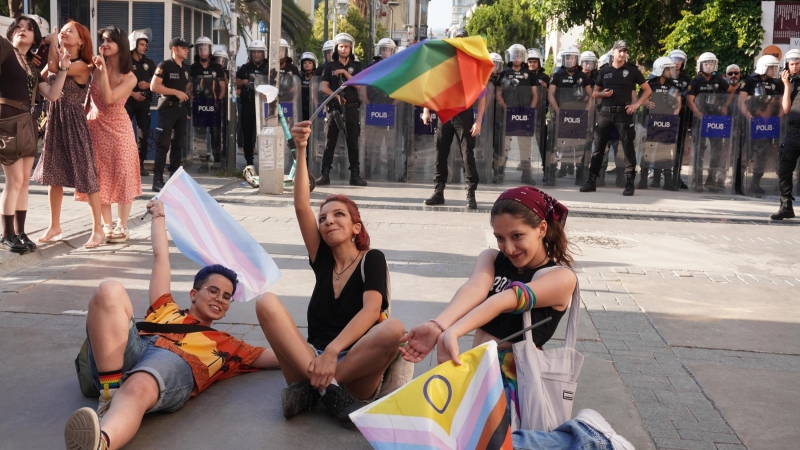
x: 656, y: 183
x: 756, y: 188
x: 629, y: 181
x: 785, y: 211
x: 562, y: 172
x: 668, y: 184
x: 158, y: 182
x: 643, y: 179
x: 355, y: 178
x: 324, y: 178
x: 578, y: 174
x: 471, y: 202
x: 591, y: 183
x: 142, y: 171
x: 570, y: 169
x: 438, y: 195
x: 527, y: 178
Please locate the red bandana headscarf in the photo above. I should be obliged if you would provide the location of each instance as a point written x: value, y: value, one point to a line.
x: 542, y: 204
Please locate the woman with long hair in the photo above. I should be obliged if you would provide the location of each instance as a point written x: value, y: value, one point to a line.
x: 350, y: 341
x: 529, y: 227
x: 68, y: 155
x: 115, y: 150
x: 18, y: 90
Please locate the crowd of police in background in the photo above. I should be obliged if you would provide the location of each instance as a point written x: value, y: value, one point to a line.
x: 612, y: 91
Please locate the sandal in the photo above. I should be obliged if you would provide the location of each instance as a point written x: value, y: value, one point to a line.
x: 94, y: 244
x: 119, y: 235
x: 53, y: 238
x: 108, y: 231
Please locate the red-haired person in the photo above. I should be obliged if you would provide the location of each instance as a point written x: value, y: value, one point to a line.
x: 68, y: 155
x: 348, y: 347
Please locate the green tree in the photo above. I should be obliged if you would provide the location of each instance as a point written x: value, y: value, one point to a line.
x: 353, y: 23
x: 507, y: 22
x: 729, y: 29
x: 295, y: 23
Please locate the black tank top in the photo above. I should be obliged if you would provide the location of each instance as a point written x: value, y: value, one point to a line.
x: 506, y: 324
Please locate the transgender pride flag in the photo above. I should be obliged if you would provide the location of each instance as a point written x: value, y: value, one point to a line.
x: 205, y: 233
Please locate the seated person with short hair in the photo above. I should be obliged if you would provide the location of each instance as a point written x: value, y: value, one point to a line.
x: 138, y: 372
x: 348, y: 348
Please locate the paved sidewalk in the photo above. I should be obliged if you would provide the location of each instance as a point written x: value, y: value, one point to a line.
x: 689, y: 322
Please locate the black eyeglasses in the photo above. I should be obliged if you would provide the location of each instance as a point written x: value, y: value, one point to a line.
x: 215, y: 292
x: 730, y: 74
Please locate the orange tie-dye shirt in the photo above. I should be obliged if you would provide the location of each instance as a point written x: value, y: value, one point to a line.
x: 212, y: 355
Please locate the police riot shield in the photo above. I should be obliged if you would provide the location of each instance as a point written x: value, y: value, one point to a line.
x: 382, y: 128
x: 422, y: 155
x: 518, y: 113
x: 713, y: 134
x: 290, y: 97
x: 318, y: 139
x: 657, y: 126
x: 572, y: 121
x: 206, y: 136
x: 761, y: 123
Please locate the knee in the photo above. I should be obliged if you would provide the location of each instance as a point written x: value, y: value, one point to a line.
x: 389, y: 333
x: 107, y: 294
x: 268, y: 305
x: 140, y: 386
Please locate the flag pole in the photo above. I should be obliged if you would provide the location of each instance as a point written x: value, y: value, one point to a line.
x: 537, y: 324
x: 316, y: 113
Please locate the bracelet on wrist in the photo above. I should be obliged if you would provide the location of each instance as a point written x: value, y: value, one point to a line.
x: 437, y: 324
x: 156, y: 216
x: 63, y: 69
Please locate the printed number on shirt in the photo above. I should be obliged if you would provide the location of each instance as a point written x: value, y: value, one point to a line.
x: 499, y: 284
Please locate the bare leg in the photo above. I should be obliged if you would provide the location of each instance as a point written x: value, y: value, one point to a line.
x: 55, y: 194
x: 362, y: 369
x: 105, y: 214
x: 98, y: 237
x: 22, y: 199
x: 107, y: 323
x: 290, y: 347
x: 135, y: 397
x: 124, y: 212
x: 13, y: 186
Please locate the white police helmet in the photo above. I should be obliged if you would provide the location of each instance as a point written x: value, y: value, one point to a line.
x: 498, y: 62
x: 663, y: 65
x: 255, y: 47
x: 766, y: 62
x: 517, y: 53
x: 588, y: 61
x: 603, y: 61
x: 221, y: 57
x: 792, y: 55
x: 709, y: 62
x: 570, y: 57
x: 678, y: 56
x: 534, y: 54
x: 284, y: 51
x: 385, y: 47
x: 133, y: 38
x: 343, y: 38
x: 203, y: 42
x: 308, y: 56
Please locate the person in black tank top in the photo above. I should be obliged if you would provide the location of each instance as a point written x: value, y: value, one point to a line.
x: 529, y: 227
x: 351, y: 341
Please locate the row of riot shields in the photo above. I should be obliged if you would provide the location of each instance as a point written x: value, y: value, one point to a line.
x: 206, y: 130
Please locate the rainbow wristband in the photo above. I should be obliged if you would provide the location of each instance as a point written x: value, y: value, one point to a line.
x: 526, y: 299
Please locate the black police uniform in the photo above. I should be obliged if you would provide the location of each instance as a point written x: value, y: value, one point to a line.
x: 249, y: 71
x: 569, y: 88
x: 497, y: 136
x: 760, y: 89
x: 581, y: 170
x: 459, y: 127
x: 172, y: 118
x: 699, y: 86
x: 682, y: 83
x: 662, y: 94
x: 305, y: 92
x: 350, y: 111
x: 320, y: 69
x: 539, y: 75
x: 206, y: 84
x: 789, y: 154
x: 517, y: 93
x: 612, y: 114
x: 140, y: 110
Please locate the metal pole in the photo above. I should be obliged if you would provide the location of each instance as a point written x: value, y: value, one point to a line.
x: 325, y: 25
x: 232, y: 115
x: 391, y: 33
x: 270, y: 138
x: 371, y: 10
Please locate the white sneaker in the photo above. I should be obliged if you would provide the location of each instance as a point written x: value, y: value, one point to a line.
x: 108, y: 230
x: 83, y: 431
x: 104, y: 402
x: 593, y: 419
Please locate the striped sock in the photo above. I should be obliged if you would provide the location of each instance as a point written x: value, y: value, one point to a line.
x: 110, y: 380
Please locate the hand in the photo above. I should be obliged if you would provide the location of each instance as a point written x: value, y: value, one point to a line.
x: 556, y: 109
x: 340, y: 72
x: 182, y: 96
x: 300, y: 133
x: 322, y: 369
x: 630, y: 109
x: 52, y: 38
x: 100, y: 61
x: 426, y: 117
x: 36, y: 61
x: 650, y: 105
x: 607, y: 93
x: 420, y: 341
x: 137, y: 96
x: 476, y: 128
x: 64, y: 58
x: 155, y: 207
x: 787, y: 81
x: 447, y: 348
x: 144, y: 85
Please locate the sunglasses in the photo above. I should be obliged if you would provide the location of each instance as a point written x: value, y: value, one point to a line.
x: 730, y: 74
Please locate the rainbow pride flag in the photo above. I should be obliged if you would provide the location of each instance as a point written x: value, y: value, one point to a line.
x: 205, y: 233
x: 443, y: 75
x: 449, y: 407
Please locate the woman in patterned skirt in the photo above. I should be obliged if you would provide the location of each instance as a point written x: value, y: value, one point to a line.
x: 68, y: 156
x: 115, y: 150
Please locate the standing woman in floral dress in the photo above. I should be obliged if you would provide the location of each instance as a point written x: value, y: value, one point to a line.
x: 68, y: 156
x: 115, y: 150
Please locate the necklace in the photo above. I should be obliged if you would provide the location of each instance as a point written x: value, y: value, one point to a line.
x: 30, y: 77
x: 338, y: 274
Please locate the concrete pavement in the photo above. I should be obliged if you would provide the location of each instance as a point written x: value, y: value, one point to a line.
x: 689, y: 322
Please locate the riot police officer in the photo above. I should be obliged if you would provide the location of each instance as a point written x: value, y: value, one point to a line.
x: 708, y: 81
x: 170, y: 81
x: 569, y: 85
x: 666, y: 97
x: 682, y: 82
x: 138, y: 104
x: 519, y: 89
x: 287, y: 65
x: 536, y: 68
x: 463, y: 127
x: 589, y: 66
x: 327, y: 56
x: 497, y: 142
x: 207, y: 85
x: 340, y: 69
x: 221, y: 58
x: 757, y: 87
x: 790, y: 149
x: 245, y: 80
x: 308, y: 65
x: 614, y: 85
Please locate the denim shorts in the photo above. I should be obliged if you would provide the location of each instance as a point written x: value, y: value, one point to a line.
x: 173, y: 374
x: 319, y: 352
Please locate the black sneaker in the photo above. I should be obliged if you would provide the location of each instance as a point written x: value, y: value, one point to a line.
x: 13, y: 245
x: 340, y: 404
x: 23, y: 238
x: 158, y: 185
x: 298, y: 397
